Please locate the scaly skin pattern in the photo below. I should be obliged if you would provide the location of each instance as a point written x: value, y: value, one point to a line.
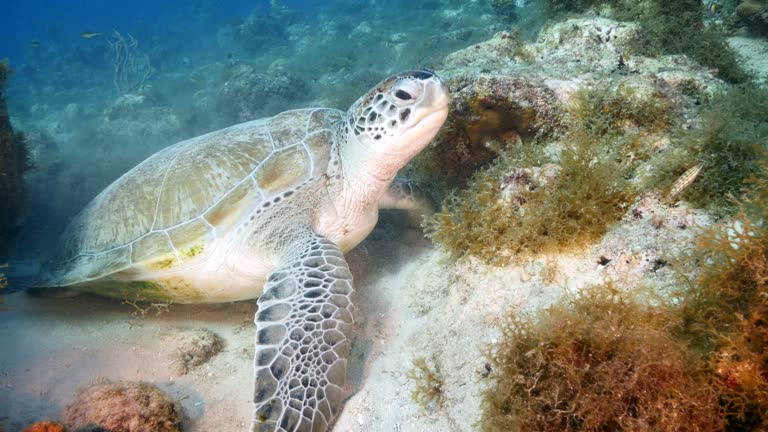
x: 305, y: 317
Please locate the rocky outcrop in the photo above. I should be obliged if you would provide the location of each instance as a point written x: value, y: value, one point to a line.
x: 754, y: 15
x: 567, y: 57
x: 13, y: 163
x: 247, y: 91
x: 240, y: 92
x: 505, y: 90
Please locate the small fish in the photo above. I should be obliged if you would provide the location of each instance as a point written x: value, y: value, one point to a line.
x: 685, y: 180
x: 714, y: 8
x: 90, y: 35
x: 35, y: 44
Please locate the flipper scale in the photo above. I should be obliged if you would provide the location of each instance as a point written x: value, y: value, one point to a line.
x: 303, y: 329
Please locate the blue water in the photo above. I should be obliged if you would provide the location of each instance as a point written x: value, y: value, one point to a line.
x: 61, y: 22
x: 198, y: 66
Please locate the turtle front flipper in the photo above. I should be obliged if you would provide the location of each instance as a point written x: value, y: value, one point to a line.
x: 405, y: 195
x: 303, y: 328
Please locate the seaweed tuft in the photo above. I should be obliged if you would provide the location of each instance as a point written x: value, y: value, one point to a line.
x: 600, y: 360
x: 130, y: 406
x: 46, y: 426
x: 608, y: 111
x: 428, y: 381
x: 589, y: 190
x: 619, y: 359
x: 724, y: 308
x: 728, y: 147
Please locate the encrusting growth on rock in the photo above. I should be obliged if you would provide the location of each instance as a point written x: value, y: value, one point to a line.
x: 124, y: 407
x: 196, y: 348
x: 586, y: 191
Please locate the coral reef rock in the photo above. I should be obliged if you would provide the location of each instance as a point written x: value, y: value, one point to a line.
x: 246, y: 92
x: 504, y: 87
x: 754, y: 15
x: 124, y: 407
x: 243, y: 93
x: 140, y: 115
x: 262, y: 31
x: 43, y: 150
x: 566, y: 57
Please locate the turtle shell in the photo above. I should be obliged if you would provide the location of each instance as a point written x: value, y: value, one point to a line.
x: 167, y: 209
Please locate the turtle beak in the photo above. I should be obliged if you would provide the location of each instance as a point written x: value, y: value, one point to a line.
x: 433, y: 103
x: 437, y: 93
x: 428, y: 115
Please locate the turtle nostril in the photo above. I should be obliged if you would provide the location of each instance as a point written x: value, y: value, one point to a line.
x: 403, y: 95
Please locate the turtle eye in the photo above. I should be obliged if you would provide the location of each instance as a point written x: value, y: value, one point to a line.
x: 403, y: 95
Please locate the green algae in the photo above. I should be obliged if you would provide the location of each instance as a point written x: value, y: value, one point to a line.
x: 194, y: 251
x: 729, y: 145
x: 724, y: 307
x: 591, y: 191
x: 753, y: 14
x: 569, y: 212
x: 141, y: 291
x: 629, y: 358
x: 164, y: 264
x: 609, y: 111
x: 428, y: 384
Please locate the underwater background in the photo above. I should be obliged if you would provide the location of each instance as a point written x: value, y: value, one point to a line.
x: 598, y: 258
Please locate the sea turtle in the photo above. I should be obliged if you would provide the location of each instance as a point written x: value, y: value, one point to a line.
x: 263, y: 209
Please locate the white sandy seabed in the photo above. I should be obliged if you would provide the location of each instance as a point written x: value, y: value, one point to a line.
x: 411, y: 303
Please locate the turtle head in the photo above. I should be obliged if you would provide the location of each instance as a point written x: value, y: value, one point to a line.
x: 400, y: 115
